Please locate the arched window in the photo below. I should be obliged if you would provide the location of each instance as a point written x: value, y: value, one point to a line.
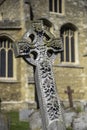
x: 56, y: 6
x: 6, y: 58
x: 69, y: 35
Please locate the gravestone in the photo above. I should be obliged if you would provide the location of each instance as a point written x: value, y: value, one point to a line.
x: 35, y: 122
x: 4, y: 122
x: 4, y: 125
x: 69, y: 91
x: 80, y: 123
x: 38, y: 48
x: 69, y: 116
x: 24, y: 114
x: 85, y: 107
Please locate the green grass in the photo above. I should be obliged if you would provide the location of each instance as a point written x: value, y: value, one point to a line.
x: 15, y: 124
x: 69, y: 128
x: 78, y: 109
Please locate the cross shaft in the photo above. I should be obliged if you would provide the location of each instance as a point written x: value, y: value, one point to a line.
x: 43, y: 46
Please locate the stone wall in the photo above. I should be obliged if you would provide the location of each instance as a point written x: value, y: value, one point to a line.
x: 75, y: 76
x: 13, y: 23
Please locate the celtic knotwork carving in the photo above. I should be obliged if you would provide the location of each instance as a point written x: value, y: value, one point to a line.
x: 42, y: 45
x: 22, y: 49
x: 38, y: 38
x: 38, y: 26
x: 56, y: 45
x: 51, y: 101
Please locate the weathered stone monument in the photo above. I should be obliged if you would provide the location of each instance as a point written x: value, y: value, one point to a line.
x: 4, y: 122
x: 38, y: 48
x: 69, y: 91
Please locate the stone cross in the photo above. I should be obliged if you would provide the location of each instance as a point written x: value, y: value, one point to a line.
x: 38, y: 48
x: 69, y: 91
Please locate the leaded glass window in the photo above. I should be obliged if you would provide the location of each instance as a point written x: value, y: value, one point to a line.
x: 69, y: 35
x: 56, y: 6
x: 6, y: 58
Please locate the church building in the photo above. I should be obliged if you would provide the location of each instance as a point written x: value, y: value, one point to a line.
x: 63, y: 18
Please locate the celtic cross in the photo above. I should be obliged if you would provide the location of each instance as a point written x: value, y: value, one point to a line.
x: 38, y: 48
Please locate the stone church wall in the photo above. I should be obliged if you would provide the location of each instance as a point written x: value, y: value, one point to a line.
x: 75, y: 76
x: 14, y: 24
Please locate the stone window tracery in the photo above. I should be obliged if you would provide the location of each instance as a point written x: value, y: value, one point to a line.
x: 70, y: 43
x: 6, y: 58
x: 56, y: 6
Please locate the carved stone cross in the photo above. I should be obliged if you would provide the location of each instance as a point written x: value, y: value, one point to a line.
x: 69, y: 92
x: 38, y: 48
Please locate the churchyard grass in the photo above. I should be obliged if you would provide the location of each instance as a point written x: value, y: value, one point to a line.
x: 14, y: 122
x: 69, y: 128
x: 78, y: 109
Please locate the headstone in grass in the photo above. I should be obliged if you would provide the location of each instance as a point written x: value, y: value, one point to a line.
x: 24, y: 114
x: 35, y: 122
x: 4, y: 123
x: 80, y: 123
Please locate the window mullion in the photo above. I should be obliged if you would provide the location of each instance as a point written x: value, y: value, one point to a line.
x: 58, y: 6
x: 53, y: 6
x: 6, y: 58
x: 2, y: 44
